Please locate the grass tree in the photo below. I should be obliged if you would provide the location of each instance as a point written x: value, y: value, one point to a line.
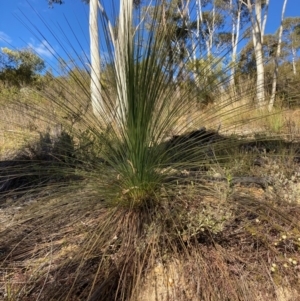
x: 107, y: 210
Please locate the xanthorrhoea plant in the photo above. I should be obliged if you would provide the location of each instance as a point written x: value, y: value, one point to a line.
x: 123, y: 203
x: 147, y: 103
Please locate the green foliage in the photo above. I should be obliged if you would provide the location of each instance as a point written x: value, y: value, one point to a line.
x: 20, y: 67
x: 205, y: 75
x: 291, y: 33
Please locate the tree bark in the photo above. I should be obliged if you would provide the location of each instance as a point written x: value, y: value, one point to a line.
x: 122, y: 45
x: 95, y: 86
x: 211, y: 32
x: 199, y: 23
x: 275, y: 75
x: 257, y: 36
x: 236, y: 24
x: 265, y: 19
x: 294, y: 53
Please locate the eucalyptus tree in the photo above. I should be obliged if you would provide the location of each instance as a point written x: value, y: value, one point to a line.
x: 95, y: 84
x: 181, y: 33
x: 199, y: 25
x: 211, y: 20
x: 180, y: 28
x: 194, y: 33
x: 258, y: 11
x: 247, y: 60
x: 278, y: 50
x: 19, y: 67
x: 291, y: 34
x: 98, y: 105
x: 238, y: 18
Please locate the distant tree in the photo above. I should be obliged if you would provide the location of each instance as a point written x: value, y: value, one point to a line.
x: 211, y: 20
x: 95, y: 85
x: 246, y: 64
x: 258, y: 11
x: 247, y: 61
x: 175, y: 21
x: 276, y: 59
x: 19, y: 67
x: 238, y: 17
x: 51, y: 2
x: 291, y: 34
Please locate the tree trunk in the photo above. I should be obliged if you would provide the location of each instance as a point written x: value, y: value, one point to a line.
x: 122, y: 57
x: 263, y: 27
x: 211, y: 32
x: 181, y: 45
x: 95, y: 86
x: 236, y: 24
x: 275, y: 75
x: 257, y: 36
x: 260, y: 81
x: 199, y: 24
x: 294, y: 53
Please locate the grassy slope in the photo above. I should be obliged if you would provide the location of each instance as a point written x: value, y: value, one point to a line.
x: 221, y: 232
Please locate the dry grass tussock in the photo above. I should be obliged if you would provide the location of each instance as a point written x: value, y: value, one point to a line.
x: 51, y: 256
x: 215, y: 236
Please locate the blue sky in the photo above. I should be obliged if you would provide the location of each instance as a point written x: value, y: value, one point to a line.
x: 64, y: 28
x: 48, y: 31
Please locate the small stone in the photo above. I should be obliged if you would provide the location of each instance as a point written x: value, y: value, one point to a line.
x: 217, y: 175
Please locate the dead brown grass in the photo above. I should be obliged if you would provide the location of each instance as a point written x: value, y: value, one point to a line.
x: 212, y: 240
x: 68, y: 246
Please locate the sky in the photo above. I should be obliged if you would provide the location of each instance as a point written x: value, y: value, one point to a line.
x: 63, y: 29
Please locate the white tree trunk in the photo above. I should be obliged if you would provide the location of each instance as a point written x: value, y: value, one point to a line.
x: 95, y: 86
x: 257, y: 36
x: 263, y: 27
x: 235, y: 35
x: 207, y: 37
x: 121, y: 45
x: 211, y: 32
x: 294, y: 53
x: 193, y: 36
x: 275, y: 75
x: 199, y: 22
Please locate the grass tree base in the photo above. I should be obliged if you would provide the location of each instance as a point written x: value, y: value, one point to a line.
x: 195, y: 246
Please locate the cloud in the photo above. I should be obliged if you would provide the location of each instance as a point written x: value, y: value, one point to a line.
x: 4, y: 37
x: 43, y: 49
